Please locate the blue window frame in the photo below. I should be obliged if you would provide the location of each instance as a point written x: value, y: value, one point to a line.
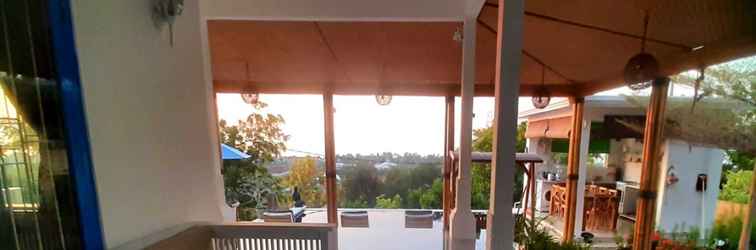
x: 80, y: 159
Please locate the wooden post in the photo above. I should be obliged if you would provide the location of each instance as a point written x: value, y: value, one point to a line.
x: 745, y: 232
x: 531, y: 180
x: 573, y: 165
x: 448, y: 165
x: 330, y: 158
x: 500, y: 223
x: 652, y: 140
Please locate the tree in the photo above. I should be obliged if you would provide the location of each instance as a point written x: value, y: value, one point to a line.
x: 431, y: 198
x: 304, y: 175
x: 246, y: 183
x: 383, y: 201
x: 401, y: 180
x: 481, y: 173
x: 260, y: 135
x: 360, y: 183
x: 735, y: 81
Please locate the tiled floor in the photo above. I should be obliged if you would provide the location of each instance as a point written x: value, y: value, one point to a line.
x: 387, y: 232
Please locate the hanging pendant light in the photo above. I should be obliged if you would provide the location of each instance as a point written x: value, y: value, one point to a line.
x: 541, y: 97
x: 642, y: 68
x: 383, y: 100
x: 250, y: 98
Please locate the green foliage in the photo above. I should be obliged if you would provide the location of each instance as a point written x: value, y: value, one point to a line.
x: 481, y: 173
x: 360, y: 182
x: 412, y: 183
x: 356, y: 203
x: 481, y: 185
x: 729, y: 229
x: 432, y: 197
x: 483, y: 141
x: 260, y: 135
x: 738, y: 187
x: 737, y: 160
x: 385, y: 202
x: 304, y: 175
x: 249, y: 187
x: 413, y: 198
x: 246, y: 182
x: 397, y: 181
x: 735, y: 81
x: 419, y: 185
x: 533, y: 236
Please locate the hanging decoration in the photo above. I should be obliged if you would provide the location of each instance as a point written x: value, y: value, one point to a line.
x: 383, y: 100
x: 250, y: 98
x: 382, y: 97
x: 541, y: 97
x: 165, y: 12
x: 642, y: 68
x: 458, y: 37
x: 697, y: 86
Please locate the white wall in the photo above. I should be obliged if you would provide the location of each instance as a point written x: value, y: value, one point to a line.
x: 679, y: 205
x: 150, y: 115
x: 337, y: 9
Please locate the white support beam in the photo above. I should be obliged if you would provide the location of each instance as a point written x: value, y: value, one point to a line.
x: 582, y: 175
x: 500, y: 228
x: 462, y: 222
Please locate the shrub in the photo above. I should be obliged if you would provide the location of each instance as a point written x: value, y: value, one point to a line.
x: 358, y: 203
x: 729, y: 230
x: 737, y: 188
x: 387, y: 202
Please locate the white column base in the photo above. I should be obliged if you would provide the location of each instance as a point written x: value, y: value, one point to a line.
x: 462, y: 230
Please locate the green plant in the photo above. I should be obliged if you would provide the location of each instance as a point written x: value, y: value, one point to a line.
x: 532, y: 236
x: 728, y: 230
x: 737, y: 188
x: 623, y: 242
x: 481, y: 173
x: 246, y: 183
x: 388, y: 202
x: 432, y: 196
x: 358, y: 203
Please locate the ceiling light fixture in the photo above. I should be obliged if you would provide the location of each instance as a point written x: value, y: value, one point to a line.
x: 383, y: 100
x: 250, y: 97
x: 642, y: 68
x: 541, y: 96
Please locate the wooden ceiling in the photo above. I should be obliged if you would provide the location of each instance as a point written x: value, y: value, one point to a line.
x: 574, y: 47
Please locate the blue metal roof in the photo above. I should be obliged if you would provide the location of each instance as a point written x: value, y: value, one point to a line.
x: 230, y: 153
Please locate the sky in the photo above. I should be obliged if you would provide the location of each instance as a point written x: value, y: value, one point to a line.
x: 407, y: 124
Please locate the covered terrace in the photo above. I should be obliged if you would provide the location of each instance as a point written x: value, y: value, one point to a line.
x: 505, y: 49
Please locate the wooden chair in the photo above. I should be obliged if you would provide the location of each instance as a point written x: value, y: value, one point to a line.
x: 613, y: 206
x: 603, y: 212
x: 593, y: 189
x: 553, y: 197
x: 558, y: 204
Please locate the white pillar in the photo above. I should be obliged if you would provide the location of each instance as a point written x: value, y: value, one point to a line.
x: 582, y: 174
x: 500, y: 228
x: 462, y: 222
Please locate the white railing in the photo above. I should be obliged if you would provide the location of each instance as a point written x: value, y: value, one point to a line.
x: 253, y: 236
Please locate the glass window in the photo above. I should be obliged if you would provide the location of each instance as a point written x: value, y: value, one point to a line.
x: 37, y: 205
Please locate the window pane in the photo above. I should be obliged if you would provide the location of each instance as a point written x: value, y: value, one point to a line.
x: 37, y: 209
